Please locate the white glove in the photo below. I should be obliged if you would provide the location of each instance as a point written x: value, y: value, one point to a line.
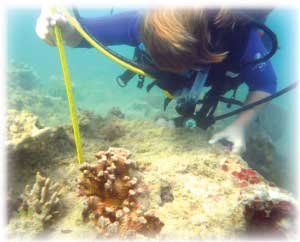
x: 44, y: 28
x: 234, y: 134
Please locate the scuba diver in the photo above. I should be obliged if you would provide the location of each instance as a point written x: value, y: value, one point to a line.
x: 217, y: 48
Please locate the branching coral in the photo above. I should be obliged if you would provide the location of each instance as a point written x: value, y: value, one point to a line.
x: 112, y: 196
x: 40, y: 205
x: 42, y: 199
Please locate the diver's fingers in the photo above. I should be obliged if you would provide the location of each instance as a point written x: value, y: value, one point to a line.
x: 43, y: 27
x: 50, y: 38
x: 43, y: 30
x: 58, y: 19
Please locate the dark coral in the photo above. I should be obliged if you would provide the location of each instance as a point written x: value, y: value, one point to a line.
x: 113, y: 130
x: 115, y: 112
x: 276, y: 218
x: 112, y: 196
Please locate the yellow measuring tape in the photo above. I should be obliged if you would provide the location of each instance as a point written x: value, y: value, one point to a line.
x: 67, y: 80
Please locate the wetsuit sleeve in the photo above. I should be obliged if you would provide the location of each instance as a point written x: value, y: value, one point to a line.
x: 115, y: 29
x: 260, y: 77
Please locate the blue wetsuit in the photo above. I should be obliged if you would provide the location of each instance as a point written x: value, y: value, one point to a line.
x: 124, y: 29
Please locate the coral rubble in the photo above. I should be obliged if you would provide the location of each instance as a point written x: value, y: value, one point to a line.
x: 113, y: 196
x: 40, y: 205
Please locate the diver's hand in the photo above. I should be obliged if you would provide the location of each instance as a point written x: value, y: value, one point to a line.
x: 234, y: 135
x: 44, y: 28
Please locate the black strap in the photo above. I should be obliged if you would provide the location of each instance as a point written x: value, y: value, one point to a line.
x: 254, y: 104
x: 151, y: 85
x: 125, y: 77
x: 166, y: 103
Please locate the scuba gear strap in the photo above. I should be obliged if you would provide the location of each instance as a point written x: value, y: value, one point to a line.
x: 186, y: 103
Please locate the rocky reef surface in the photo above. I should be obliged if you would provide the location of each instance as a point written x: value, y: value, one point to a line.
x: 194, y: 190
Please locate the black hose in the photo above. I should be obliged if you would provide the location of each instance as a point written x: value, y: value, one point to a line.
x: 267, y: 30
x: 274, y: 40
x: 252, y: 105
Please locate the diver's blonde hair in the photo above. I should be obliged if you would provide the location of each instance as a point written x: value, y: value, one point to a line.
x: 180, y: 39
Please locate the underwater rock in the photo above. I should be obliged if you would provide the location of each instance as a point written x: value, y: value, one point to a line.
x: 20, y: 124
x: 30, y: 146
x: 93, y: 125
x: 28, y: 142
x: 165, y: 122
x: 115, y: 112
x: 90, y: 123
x: 23, y: 76
x: 40, y: 206
x: 113, y: 130
x: 260, y: 149
x: 262, y: 155
x: 272, y: 120
x: 166, y: 194
x: 198, y: 191
x: 269, y: 210
x: 50, y: 110
x: 113, y: 196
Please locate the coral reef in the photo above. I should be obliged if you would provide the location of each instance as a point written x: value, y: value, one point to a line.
x: 35, y: 101
x: 29, y: 142
x: 113, y: 130
x: 115, y: 112
x: 198, y: 191
x: 20, y: 124
x: 269, y: 210
x: 113, y: 127
x: 112, y: 196
x: 22, y: 76
x: 90, y: 123
x: 29, y: 147
x: 108, y: 128
x: 261, y: 149
x: 261, y: 155
x: 40, y: 206
x: 272, y: 120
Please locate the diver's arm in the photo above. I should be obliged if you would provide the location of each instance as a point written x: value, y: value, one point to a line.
x: 235, y: 132
x: 245, y: 118
x: 262, y: 82
x: 115, y: 29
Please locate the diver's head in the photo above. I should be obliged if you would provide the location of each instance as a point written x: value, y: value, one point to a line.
x: 180, y: 39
